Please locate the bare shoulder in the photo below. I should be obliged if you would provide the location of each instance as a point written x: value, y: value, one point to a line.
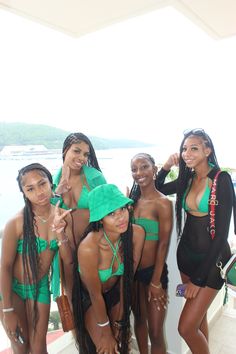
x: 14, y: 226
x: 89, y: 246
x: 163, y: 201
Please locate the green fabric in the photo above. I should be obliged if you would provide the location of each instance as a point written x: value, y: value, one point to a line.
x: 93, y: 177
x: 105, y: 199
x: 28, y: 291
x: 106, y: 274
x: 151, y: 228
x: 42, y: 245
x: 203, y: 206
x: 55, y: 277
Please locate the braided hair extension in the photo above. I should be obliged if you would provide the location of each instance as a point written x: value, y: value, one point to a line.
x: 75, y: 138
x: 30, y: 255
x: 127, y: 247
x: 186, y: 174
x: 135, y: 192
x: 84, y: 341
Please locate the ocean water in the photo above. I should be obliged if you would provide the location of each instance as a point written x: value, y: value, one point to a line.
x: 115, y: 164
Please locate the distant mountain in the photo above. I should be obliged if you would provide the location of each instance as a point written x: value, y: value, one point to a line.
x: 52, y: 138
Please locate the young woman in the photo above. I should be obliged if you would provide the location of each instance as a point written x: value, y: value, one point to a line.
x: 200, y: 249
x: 108, y: 255
x: 80, y: 173
x: 31, y: 240
x: 153, y: 211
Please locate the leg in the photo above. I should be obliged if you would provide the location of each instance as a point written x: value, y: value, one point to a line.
x: 193, y: 322
x: 19, y: 306
x: 204, y: 325
x: 155, y: 324
x: 37, y: 337
x: 140, y: 321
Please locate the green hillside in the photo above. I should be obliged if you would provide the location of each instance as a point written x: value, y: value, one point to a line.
x: 52, y: 138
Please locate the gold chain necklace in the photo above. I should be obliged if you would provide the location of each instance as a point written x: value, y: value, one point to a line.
x: 43, y: 220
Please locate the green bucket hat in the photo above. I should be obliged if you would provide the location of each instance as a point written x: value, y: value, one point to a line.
x: 105, y: 199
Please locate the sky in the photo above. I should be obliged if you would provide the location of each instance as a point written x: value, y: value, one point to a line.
x: 147, y: 78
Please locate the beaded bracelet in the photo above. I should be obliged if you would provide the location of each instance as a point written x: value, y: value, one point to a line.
x: 10, y: 309
x: 103, y: 324
x: 159, y: 286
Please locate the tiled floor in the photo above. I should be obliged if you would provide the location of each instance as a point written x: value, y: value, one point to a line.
x: 222, y: 335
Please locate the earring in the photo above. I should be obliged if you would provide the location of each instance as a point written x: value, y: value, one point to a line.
x: 154, y: 176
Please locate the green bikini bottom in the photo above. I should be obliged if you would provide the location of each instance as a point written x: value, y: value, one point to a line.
x: 28, y: 291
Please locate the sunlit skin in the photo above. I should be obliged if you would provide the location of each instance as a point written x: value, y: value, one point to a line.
x: 71, y: 184
x: 154, y: 206
x: 95, y: 248
x: 195, y: 155
x: 37, y: 189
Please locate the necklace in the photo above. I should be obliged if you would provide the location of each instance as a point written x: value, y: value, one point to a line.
x: 43, y: 220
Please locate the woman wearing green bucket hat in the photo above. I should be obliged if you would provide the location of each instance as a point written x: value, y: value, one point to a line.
x: 108, y: 255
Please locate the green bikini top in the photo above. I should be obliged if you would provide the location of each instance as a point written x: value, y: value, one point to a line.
x: 42, y: 245
x: 203, y: 206
x: 93, y: 177
x: 106, y: 274
x: 151, y: 228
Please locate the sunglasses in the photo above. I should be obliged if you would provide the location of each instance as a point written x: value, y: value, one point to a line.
x: 196, y: 131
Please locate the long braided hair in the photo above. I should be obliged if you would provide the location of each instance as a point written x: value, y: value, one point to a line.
x: 75, y: 138
x: 84, y: 341
x: 30, y: 254
x: 186, y: 174
x: 135, y: 192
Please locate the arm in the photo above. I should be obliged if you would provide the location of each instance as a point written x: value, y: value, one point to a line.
x: 167, y: 188
x: 165, y: 227
x: 11, y: 234
x: 223, y: 212
x: 138, y: 243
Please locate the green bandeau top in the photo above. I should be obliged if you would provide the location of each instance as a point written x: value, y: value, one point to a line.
x: 106, y: 274
x: 42, y: 245
x: 203, y: 205
x: 151, y: 228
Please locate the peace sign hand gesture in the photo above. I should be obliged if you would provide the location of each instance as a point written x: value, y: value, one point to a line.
x: 59, y: 222
x: 64, y: 186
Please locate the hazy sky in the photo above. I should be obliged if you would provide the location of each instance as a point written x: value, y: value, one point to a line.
x: 147, y: 78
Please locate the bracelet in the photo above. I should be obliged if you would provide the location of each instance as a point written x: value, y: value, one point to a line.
x: 103, y: 324
x: 64, y: 240
x: 10, y: 309
x: 159, y: 286
x: 56, y: 195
